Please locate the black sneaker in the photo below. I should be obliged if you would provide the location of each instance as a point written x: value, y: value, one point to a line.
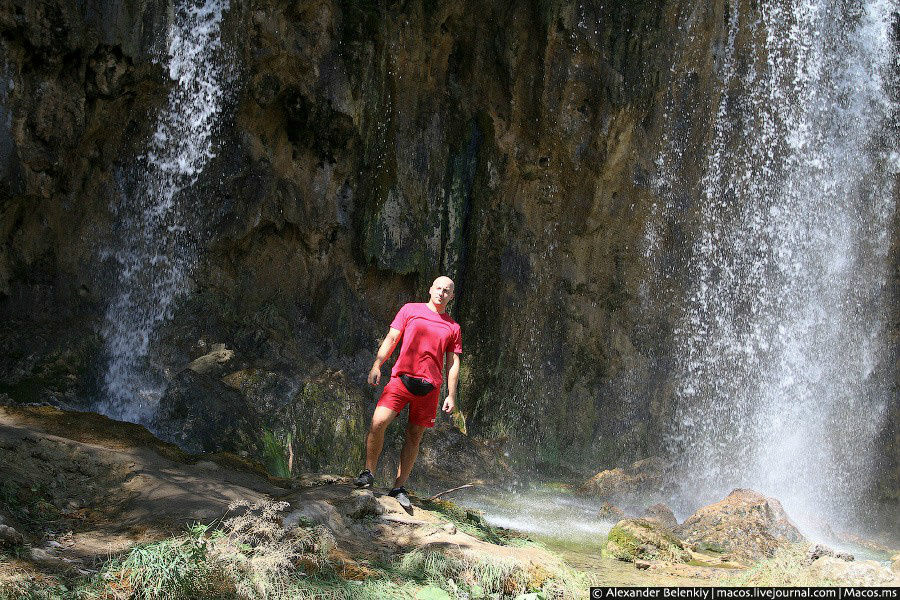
x: 364, y: 479
x: 400, y: 494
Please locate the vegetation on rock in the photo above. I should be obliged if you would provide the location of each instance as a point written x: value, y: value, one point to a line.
x: 634, y: 539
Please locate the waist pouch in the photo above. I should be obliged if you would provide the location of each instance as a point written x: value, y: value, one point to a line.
x: 416, y: 386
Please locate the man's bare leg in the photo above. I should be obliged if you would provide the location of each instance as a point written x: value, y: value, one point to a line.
x: 409, y: 452
x: 375, y: 438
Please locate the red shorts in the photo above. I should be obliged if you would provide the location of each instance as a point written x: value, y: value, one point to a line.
x: 422, y: 409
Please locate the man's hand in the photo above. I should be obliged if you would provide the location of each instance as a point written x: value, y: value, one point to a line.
x: 449, y: 403
x: 375, y: 375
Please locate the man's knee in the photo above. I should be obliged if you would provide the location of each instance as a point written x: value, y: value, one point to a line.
x: 381, y: 419
x: 414, y: 433
x: 378, y: 427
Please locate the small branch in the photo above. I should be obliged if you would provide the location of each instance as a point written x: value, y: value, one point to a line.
x: 439, y: 494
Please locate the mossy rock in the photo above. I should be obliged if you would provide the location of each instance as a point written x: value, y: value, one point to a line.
x: 633, y: 539
x: 706, y: 546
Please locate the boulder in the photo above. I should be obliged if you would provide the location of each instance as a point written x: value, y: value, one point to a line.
x: 852, y: 573
x: 662, y: 514
x: 609, y: 512
x: 639, y: 478
x: 608, y: 483
x: 360, y: 504
x: 634, y: 539
x: 316, y: 512
x: 746, y: 525
x: 9, y: 536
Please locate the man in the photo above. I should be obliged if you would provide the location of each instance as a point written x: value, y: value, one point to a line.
x: 429, y: 335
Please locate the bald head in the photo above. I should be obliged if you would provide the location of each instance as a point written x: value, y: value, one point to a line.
x: 443, y: 280
x: 441, y: 293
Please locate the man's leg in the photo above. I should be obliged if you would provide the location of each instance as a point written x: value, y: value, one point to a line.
x: 409, y: 452
x: 375, y: 438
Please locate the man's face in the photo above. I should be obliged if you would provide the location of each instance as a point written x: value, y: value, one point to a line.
x: 441, y: 291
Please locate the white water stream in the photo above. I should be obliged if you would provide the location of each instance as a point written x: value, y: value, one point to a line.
x: 157, y: 225
x: 780, y: 345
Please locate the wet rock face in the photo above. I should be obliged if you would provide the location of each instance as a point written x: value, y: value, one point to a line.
x: 77, y: 86
x: 640, y: 480
x: 745, y: 524
x: 202, y: 414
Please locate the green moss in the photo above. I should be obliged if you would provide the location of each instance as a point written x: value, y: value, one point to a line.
x: 623, y: 545
x: 549, y: 455
x: 706, y: 546
x: 330, y: 428
x: 449, y: 509
x: 639, y: 538
x: 573, y: 547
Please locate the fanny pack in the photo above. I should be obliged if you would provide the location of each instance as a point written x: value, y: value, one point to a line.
x: 416, y: 386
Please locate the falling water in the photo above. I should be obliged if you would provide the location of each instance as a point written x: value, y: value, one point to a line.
x: 156, y: 223
x: 778, y: 349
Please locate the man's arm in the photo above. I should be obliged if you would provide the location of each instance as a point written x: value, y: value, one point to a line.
x: 384, y: 352
x: 452, y: 380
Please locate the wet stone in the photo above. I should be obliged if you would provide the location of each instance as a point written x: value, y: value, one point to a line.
x: 817, y: 551
x: 662, y: 514
x: 844, y: 556
x: 610, y: 512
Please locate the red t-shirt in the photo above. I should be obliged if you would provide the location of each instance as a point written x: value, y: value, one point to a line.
x: 427, y: 336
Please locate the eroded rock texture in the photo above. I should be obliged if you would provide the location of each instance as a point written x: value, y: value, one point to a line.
x: 746, y: 524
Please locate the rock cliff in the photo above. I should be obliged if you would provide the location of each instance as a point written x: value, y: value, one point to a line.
x: 366, y: 147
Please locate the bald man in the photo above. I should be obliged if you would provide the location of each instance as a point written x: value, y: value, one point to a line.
x: 429, y: 335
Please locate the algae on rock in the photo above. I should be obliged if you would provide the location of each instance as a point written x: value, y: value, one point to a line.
x: 634, y: 539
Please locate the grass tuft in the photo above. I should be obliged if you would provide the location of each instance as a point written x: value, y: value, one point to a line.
x: 173, y: 568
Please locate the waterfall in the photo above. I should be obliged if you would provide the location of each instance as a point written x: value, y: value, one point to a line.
x: 778, y: 348
x: 156, y: 223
